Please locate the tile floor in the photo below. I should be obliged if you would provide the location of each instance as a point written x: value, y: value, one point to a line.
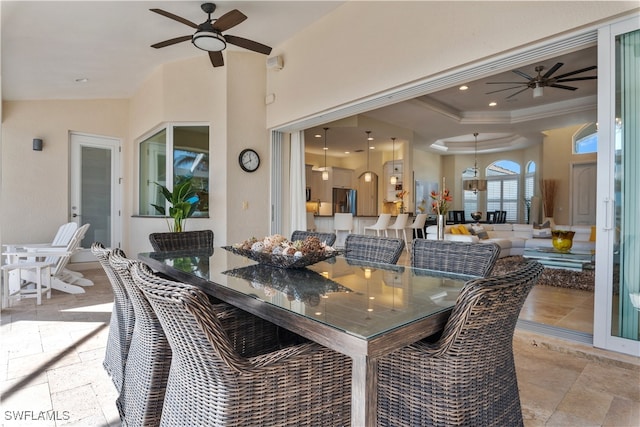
x: 51, y: 367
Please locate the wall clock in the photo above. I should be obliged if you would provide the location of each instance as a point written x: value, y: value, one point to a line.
x: 249, y: 160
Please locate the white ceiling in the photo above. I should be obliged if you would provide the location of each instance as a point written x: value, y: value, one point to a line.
x: 47, y: 45
x: 448, y: 118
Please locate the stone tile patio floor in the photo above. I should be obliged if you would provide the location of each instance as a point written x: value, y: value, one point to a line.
x: 51, y: 367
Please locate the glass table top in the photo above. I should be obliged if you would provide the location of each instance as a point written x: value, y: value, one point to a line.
x: 364, y: 300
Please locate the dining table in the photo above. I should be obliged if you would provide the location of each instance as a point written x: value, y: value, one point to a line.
x: 360, y: 309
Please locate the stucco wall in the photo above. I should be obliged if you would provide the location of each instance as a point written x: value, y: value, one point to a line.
x: 35, y: 184
x: 365, y: 48
x: 231, y: 100
x: 558, y: 158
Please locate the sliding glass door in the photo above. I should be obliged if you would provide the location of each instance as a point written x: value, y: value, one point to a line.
x: 617, y: 304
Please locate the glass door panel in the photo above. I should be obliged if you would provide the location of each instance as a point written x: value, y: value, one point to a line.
x: 626, y: 269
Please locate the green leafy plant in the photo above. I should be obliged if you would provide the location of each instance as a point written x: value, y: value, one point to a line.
x: 183, y: 202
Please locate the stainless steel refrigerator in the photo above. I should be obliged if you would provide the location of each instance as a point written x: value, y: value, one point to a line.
x: 344, y: 200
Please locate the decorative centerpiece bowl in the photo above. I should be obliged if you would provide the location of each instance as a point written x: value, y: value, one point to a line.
x: 562, y: 240
x: 277, y: 251
x: 476, y: 216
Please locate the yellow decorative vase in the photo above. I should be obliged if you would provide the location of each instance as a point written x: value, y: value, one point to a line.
x: 562, y: 240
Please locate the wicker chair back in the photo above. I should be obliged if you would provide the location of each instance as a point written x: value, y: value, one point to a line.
x: 467, y: 377
x: 328, y: 238
x: 121, y: 323
x: 473, y: 259
x: 164, y: 242
x: 375, y: 249
x: 213, y: 383
x: 147, y: 368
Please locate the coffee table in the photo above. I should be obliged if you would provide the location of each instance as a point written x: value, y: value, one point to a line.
x: 575, y: 260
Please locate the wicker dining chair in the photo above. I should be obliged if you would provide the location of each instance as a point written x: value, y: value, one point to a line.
x: 213, y: 384
x: 147, y: 371
x: 468, y: 376
x: 122, y: 320
x: 386, y: 250
x: 473, y: 259
x: 145, y: 380
x: 328, y: 238
x: 200, y: 239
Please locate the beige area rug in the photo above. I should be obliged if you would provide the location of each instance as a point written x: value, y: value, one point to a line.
x: 583, y: 280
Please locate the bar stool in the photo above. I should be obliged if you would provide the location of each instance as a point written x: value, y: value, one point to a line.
x: 41, y: 279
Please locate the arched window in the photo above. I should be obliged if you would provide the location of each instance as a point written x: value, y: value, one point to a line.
x: 529, y: 189
x: 585, y: 140
x: 503, y: 177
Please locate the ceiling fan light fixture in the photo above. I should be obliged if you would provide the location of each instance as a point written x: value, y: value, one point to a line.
x: 209, y: 41
x: 476, y: 184
x: 538, y: 91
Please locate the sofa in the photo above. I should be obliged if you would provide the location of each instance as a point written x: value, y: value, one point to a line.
x: 514, y: 238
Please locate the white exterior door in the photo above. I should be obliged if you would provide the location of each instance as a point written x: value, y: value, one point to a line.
x: 583, y: 193
x: 95, y: 191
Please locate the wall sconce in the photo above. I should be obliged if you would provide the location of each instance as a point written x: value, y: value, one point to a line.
x: 37, y: 144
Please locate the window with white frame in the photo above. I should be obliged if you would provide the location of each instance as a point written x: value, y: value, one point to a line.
x: 174, y: 151
x: 585, y: 140
x: 503, y: 177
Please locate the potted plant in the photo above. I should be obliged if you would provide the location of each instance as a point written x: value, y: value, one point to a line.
x: 183, y: 201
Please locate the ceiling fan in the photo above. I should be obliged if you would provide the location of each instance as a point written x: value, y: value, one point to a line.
x: 208, y: 35
x: 541, y: 81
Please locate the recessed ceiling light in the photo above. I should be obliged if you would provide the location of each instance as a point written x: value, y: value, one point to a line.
x: 82, y: 80
x: 493, y: 104
x: 324, y: 148
x: 347, y: 152
x: 463, y: 87
x: 317, y: 135
x: 372, y: 148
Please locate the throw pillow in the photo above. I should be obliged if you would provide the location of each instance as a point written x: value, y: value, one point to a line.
x: 480, y: 232
x: 537, y: 226
x: 454, y: 230
x: 592, y: 237
x: 463, y: 230
x: 542, y: 231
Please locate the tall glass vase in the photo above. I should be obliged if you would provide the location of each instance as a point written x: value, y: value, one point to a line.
x: 440, y: 223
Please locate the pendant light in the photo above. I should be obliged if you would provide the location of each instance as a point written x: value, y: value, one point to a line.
x: 475, y: 184
x: 394, y: 178
x: 367, y: 174
x: 325, y: 171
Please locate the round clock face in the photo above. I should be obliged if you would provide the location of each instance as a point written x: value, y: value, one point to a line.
x: 249, y: 160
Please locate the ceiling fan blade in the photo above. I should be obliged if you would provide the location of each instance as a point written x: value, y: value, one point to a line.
x: 248, y: 44
x: 507, y: 83
x: 174, y: 17
x: 216, y: 59
x: 171, y: 41
x: 563, y: 87
x: 520, y: 73
x: 229, y: 20
x: 500, y: 90
x: 552, y: 70
x: 576, y: 79
x: 582, y: 70
x: 514, y: 94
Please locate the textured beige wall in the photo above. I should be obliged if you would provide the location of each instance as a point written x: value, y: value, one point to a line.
x: 558, y: 157
x: 231, y: 100
x: 35, y: 184
x: 365, y: 48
